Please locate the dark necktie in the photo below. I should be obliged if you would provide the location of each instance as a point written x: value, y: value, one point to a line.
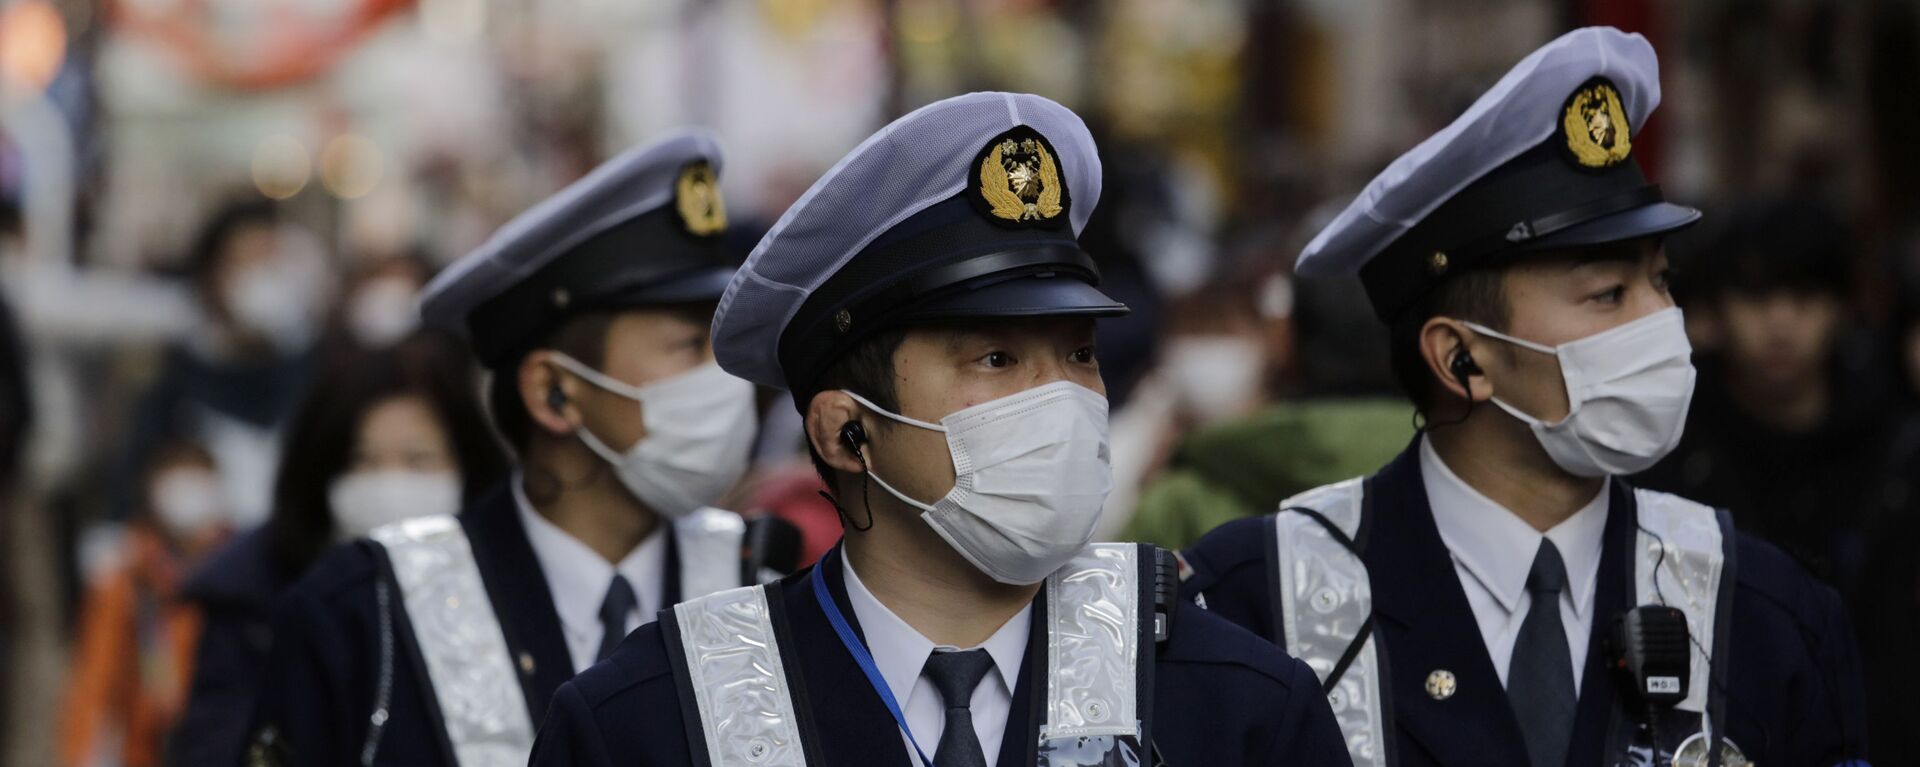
x: 954, y: 675
x: 1540, y: 678
x: 613, y: 615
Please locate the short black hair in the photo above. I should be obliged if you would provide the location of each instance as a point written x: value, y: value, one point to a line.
x: 583, y: 337
x: 867, y: 370
x: 1791, y: 244
x: 1477, y: 295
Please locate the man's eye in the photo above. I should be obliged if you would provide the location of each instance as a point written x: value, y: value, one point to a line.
x: 997, y: 359
x: 1663, y: 280
x: 1084, y: 355
x: 1611, y: 295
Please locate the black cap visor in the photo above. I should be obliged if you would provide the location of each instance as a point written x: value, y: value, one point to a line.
x: 1031, y: 295
x: 1658, y: 218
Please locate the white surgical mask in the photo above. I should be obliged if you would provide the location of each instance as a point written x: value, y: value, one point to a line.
x: 1217, y: 376
x: 1031, y: 473
x: 364, y: 500
x: 188, y: 500
x: 277, y: 301
x: 700, y: 427
x: 1628, y: 390
x: 382, y: 312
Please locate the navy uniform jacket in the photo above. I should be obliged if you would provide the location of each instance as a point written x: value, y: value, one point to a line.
x: 1221, y: 697
x: 326, y: 657
x: 1795, y: 696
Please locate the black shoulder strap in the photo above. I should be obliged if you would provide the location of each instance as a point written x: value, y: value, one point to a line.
x: 397, y: 641
x: 1159, y: 580
x: 1722, y: 660
x: 683, y: 684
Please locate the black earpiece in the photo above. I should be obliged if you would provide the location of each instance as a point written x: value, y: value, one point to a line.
x: 556, y: 398
x: 1463, y: 366
x: 853, y: 435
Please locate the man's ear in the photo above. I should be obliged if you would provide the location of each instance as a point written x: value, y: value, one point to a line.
x: 1452, y: 353
x: 827, y: 419
x: 547, y: 395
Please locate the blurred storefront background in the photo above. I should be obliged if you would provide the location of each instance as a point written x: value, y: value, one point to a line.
x: 203, y: 201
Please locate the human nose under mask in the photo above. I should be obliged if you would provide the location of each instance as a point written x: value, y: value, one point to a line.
x: 1628, y: 392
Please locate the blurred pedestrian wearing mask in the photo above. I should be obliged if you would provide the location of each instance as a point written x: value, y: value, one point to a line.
x: 385, y: 435
x: 1796, y: 427
x: 262, y: 288
x: 1277, y: 407
x: 378, y: 304
x: 134, y: 647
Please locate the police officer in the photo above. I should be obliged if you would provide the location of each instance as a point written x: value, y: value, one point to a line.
x: 929, y: 307
x: 1466, y: 604
x: 441, y: 640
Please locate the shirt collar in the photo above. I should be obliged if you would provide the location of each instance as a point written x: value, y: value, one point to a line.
x: 1497, y: 547
x: 901, y: 652
x: 578, y: 577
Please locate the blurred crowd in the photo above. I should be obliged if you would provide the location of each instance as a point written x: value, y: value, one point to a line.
x: 184, y: 429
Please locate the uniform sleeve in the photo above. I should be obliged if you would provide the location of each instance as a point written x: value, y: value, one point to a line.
x: 1309, y: 736
x: 569, y: 737
x: 1230, y: 576
x: 303, y: 700
x: 1837, y: 662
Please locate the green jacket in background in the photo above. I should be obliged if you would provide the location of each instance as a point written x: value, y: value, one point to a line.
x: 1248, y: 466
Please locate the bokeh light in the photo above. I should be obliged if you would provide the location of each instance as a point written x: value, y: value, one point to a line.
x: 350, y: 166
x: 281, y: 166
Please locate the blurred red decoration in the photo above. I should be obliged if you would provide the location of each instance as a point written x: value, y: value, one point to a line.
x: 288, y: 47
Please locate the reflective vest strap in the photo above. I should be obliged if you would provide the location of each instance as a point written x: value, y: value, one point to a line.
x: 467, y: 661
x: 731, y: 656
x: 1325, y: 604
x: 1096, y: 645
x: 1679, y: 561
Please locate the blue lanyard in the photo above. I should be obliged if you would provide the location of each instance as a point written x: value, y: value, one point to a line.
x: 860, y: 654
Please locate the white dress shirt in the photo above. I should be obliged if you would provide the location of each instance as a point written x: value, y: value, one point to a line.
x: 578, y: 578
x: 901, y: 654
x: 1493, y: 551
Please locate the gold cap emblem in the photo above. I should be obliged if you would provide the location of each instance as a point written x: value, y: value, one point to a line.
x: 1441, y: 685
x: 1018, y: 180
x: 697, y: 196
x: 1595, y: 126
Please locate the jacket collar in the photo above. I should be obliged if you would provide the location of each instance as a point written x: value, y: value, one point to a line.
x: 1427, y: 626
x: 518, y: 590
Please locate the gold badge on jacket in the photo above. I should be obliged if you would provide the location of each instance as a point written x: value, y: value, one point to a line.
x: 1018, y: 180
x: 697, y: 196
x: 1595, y: 125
